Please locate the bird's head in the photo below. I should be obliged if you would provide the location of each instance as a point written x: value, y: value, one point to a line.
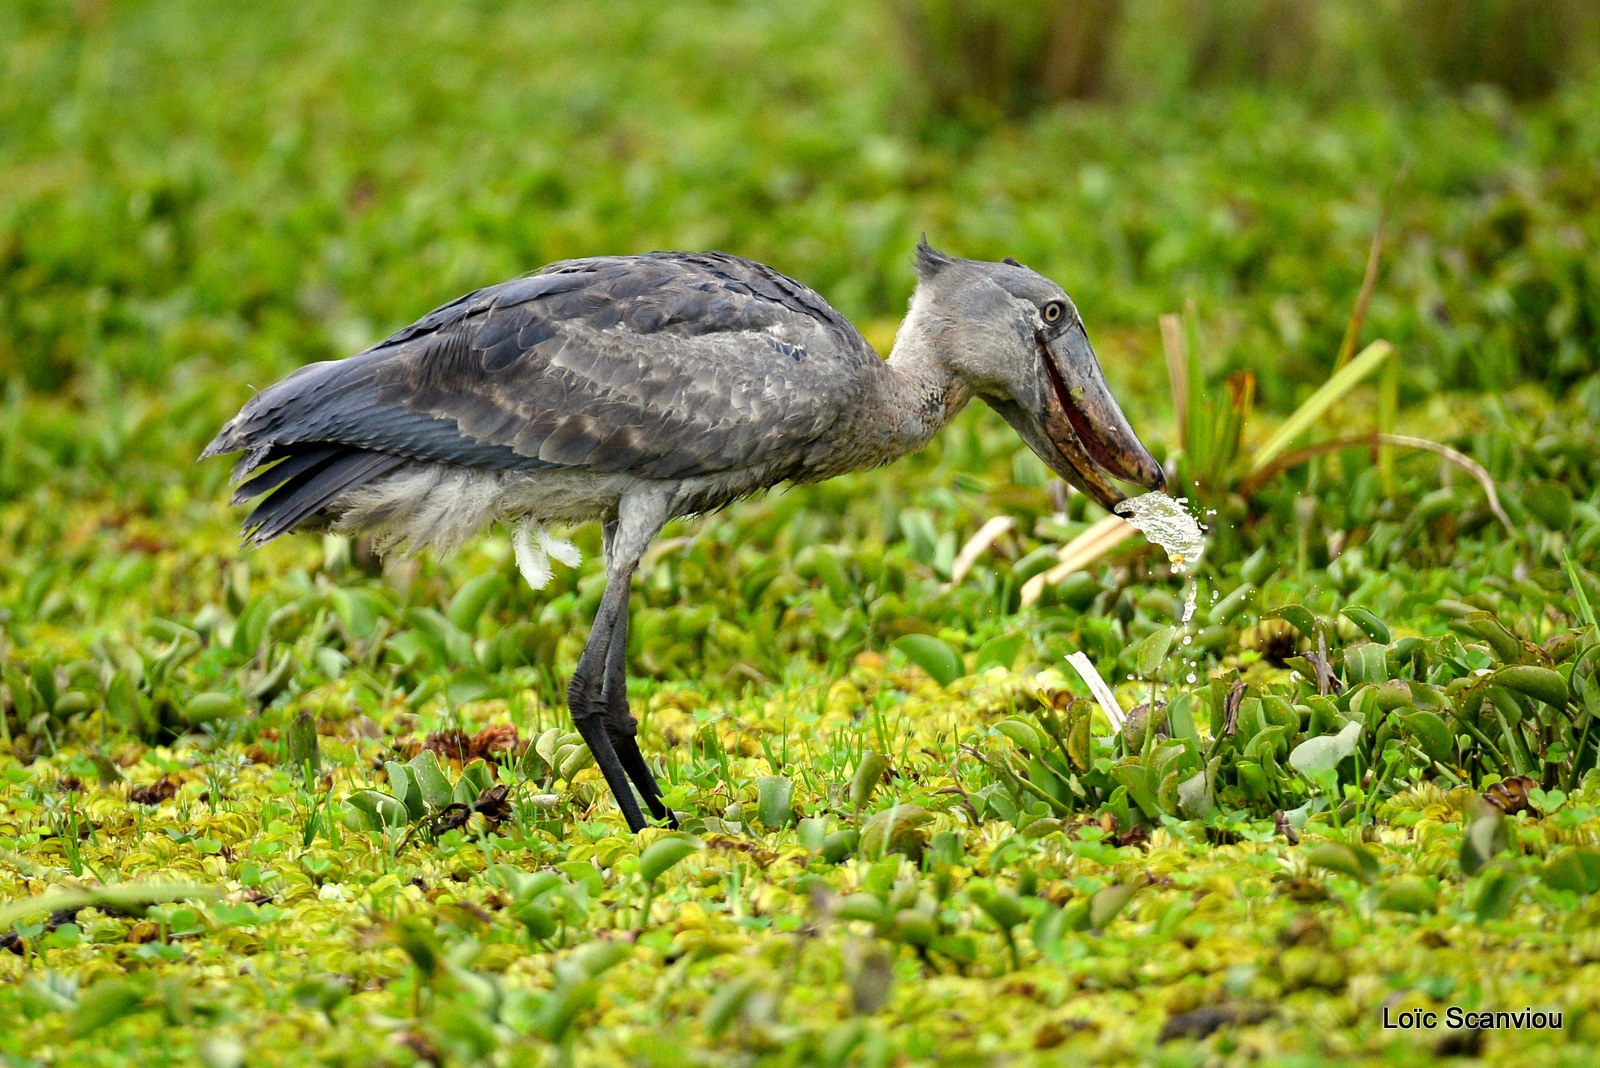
x: 1014, y: 338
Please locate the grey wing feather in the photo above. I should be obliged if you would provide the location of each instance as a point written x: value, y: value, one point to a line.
x: 665, y: 365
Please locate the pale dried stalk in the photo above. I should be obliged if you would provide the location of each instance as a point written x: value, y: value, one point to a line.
x: 1079, y: 553
x: 977, y: 545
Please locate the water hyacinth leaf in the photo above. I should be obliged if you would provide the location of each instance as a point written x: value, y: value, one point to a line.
x: 1540, y: 683
x: 1565, y: 871
x: 431, y: 780
x: 1108, y: 903
x: 1370, y: 625
x: 724, y: 1004
x: 1150, y: 652
x: 813, y: 831
x: 1498, y: 888
x: 403, y: 784
x: 473, y: 598
x: 664, y: 854
x: 1231, y: 605
x: 915, y: 927
x: 378, y: 810
x: 1194, y: 797
x: 863, y: 906
x: 1001, y: 651
x: 468, y: 684
x: 897, y: 829
x: 104, y: 1003
x: 1358, y: 862
x: 1409, y: 895
x: 932, y: 655
x: 1297, y: 616
x: 1001, y: 906
x: 301, y: 749
x: 1506, y: 645
x: 1024, y: 735
x: 1483, y: 839
x: 205, y: 708
x: 358, y: 611
x: 869, y: 772
x: 1430, y: 734
x: 775, y: 800
x: 476, y: 776
x: 1317, y: 756
x: 1550, y: 502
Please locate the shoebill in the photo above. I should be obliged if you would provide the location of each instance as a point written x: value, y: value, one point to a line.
x: 630, y: 390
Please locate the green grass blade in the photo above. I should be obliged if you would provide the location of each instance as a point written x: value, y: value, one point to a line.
x: 1338, y: 384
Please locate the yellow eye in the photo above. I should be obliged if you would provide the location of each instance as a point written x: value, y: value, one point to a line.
x: 1053, y: 311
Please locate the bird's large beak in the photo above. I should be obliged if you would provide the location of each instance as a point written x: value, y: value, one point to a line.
x: 1080, y: 432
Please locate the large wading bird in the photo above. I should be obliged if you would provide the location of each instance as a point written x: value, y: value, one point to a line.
x: 635, y: 389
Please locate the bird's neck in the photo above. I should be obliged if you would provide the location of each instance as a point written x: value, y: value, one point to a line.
x: 920, y: 392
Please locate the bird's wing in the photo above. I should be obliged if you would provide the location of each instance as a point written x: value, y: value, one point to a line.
x: 665, y: 365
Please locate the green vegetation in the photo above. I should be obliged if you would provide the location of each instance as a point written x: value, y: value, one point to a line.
x: 302, y: 805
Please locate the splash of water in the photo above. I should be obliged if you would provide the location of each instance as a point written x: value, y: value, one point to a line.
x: 1167, y: 522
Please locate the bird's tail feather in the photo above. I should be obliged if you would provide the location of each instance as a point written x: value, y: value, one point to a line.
x: 308, y: 487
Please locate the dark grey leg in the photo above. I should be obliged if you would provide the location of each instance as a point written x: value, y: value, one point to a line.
x: 639, y: 519
x: 623, y: 728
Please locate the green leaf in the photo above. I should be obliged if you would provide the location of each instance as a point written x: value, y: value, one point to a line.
x: 431, y: 780
x: 1001, y: 651
x: 210, y: 707
x: 1297, y: 616
x: 1358, y: 862
x: 1408, y: 895
x: 1149, y: 653
x: 380, y: 811
x: 1430, y: 733
x: 1108, y: 903
x: 1023, y: 735
x: 1370, y: 625
x: 664, y: 854
x: 1316, y: 756
x: 1497, y: 892
x: 106, y: 1002
x: 1540, y: 683
x: 865, y: 781
x: 933, y: 656
x: 473, y: 598
x: 775, y: 800
x: 1483, y: 838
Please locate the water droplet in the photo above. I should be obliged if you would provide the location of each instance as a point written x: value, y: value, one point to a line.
x: 1191, y: 677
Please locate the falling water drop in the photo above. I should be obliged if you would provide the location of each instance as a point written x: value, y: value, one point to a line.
x: 1167, y: 522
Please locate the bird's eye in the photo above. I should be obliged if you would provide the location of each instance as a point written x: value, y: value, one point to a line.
x: 1054, y: 311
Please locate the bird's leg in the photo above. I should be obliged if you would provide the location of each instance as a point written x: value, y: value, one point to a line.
x: 623, y: 728
x: 639, y: 518
x: 585, y: 702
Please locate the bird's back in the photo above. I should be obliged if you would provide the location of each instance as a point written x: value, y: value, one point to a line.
x: 666, y: 366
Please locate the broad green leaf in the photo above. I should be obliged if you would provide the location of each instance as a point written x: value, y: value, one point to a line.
x: 663, y: 854
x: 1370, y: 625
x: 431, y: 780
x: 473, y: 598
x: 1315, y: 756
x: 1001, y: 651
x: 1150, y: 652
x: 933, y: 656
x: 775, y: 800
x: 869, y: 771
x: 1297, y: 616
x: 1358, y: 862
